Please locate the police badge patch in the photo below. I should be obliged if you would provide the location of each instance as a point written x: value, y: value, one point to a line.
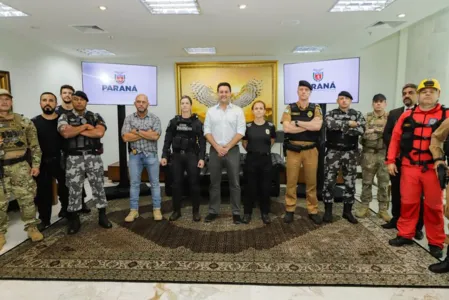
x: 267, y: 131
x: 353, y: 118
x: 310, y: 114
x: 433, y: 121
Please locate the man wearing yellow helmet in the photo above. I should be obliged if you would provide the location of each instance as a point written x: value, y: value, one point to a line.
x: 411, y: 139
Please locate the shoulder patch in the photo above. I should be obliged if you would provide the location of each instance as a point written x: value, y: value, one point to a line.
x: 270, y: 124
x: 369, y: 114
x: 287, y: 109
x: 248, y: 124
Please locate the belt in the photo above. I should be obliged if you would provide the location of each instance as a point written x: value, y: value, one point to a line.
x: 183, y: 151
x: 259, y: 153
x: 298, y: 148
x: 370, y: 150
x: 81, y: 152
x: 13, y: 161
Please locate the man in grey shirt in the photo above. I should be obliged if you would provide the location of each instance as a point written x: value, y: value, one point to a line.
x: 224, y: 127
x: 142, y: 129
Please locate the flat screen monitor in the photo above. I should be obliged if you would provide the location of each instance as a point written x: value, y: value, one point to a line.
x: 118, y: 84
x: 328, y: 78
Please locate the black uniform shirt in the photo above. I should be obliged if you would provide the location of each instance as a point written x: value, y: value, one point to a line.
x: 61, y: 110
x: 259, y: 137
x: 49, y: 138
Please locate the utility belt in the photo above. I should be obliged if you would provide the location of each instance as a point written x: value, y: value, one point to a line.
x: 13, y: 161
x: 341, y: 147
x: 85, y: 152
x: 8, y: 162
x: 299, y: 148
x: 259, y: 153
x: 180, y: 151
x: 371, y: 150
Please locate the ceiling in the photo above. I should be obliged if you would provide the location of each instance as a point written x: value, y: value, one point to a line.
x: 263, y: 29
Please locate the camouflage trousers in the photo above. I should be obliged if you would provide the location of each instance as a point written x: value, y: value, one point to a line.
x: 77, y: 167
x: 18, y: 181
x: 347, y: 161
x: 373, y: 164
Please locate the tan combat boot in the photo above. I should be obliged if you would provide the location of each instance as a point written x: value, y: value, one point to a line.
x: 34, y: 234
x: 157, y: 214
x: 383, y: 212
x: 363, y: 212
x: 2, y: 240
x: 133, y: 214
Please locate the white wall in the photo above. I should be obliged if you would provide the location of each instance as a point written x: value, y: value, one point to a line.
x: 35, y: 69
x: 428, y: 51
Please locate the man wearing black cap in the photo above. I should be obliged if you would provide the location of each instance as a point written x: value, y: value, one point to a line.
x: 83, y: 130
x: 302, y: 122
x: 373, y: 160
x: 344, y: 126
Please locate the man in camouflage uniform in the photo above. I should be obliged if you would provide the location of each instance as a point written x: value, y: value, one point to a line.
x: 17, y: 135
x: 373, y: 160
x: 439, y: 146
x: 344, y: 126
x: 83, y: 130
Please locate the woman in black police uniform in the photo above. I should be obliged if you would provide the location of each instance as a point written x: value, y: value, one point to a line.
x: 185, y: 136
x: 259, y: 138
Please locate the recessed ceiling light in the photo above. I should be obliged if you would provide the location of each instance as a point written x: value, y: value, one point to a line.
x: 242, y: 6
x: 308, y: 49
x: 95, y: 52
x: 209, y: 50
x: 360, y: 5
x: 102, y: 7
x: 401, y: 16
x: 172, y: 7
x: 7, y: 11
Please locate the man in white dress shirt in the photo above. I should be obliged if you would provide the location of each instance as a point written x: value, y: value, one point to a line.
x: 224, y: 127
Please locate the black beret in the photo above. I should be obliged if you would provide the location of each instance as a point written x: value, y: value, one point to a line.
x: 379, y: 97
x: 345, y: 94
x: 81, y: 94
x: 305, y: 83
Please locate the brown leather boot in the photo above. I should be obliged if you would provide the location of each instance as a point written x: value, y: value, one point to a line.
x: 34, y: 234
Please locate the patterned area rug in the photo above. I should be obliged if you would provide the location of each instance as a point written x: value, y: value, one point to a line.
x: 220, y: 252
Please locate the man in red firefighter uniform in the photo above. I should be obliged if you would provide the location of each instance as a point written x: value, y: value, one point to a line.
x: 411, y: 139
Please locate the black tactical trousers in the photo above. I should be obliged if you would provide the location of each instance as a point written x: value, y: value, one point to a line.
x: 50, y: 168
x: 181, y: 163
x: 258, y: 168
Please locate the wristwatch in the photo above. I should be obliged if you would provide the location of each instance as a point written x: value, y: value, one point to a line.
x: 296, y: 124
x: 439, y: 158
x: 137, y: 130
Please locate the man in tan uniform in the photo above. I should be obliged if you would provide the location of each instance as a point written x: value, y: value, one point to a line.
x: 439, y: 146
x: 373, y: 160
x: 302, y: 122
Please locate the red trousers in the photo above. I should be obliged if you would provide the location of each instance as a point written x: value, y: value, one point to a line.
x: 413, y: 183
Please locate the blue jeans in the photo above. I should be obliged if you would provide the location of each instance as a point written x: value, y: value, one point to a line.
x: 136, y: 164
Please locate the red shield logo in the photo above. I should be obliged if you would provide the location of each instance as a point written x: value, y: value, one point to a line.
x: 119, y: 78
x: 318, y: 75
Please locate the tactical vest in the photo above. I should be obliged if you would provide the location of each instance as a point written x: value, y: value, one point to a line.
x: 185, y: 136
x: 13, y: 134
x: 374, y: 140
x: 408, y: 137
x: 80, y: 142
x: 337, y: 140
x: 306, y: 115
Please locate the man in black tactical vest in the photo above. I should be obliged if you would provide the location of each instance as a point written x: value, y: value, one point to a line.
x: 83, y: 130
x: 302, y: 122
x: 344, y: 126
x: 185, y: 136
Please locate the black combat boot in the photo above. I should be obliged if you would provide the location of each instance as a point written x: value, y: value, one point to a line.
x: 103, y: 219
x: 440, y: 267
x: 175, y: 215
x: 74, y: 222
x: 347, y: 213
x: 289, y: 216
x: 327, y: 218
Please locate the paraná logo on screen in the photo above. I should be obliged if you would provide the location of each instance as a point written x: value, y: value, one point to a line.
x: 318, y: 75
x: 120, y: 79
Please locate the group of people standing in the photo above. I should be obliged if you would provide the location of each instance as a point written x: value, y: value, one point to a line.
x: 399, y: 144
